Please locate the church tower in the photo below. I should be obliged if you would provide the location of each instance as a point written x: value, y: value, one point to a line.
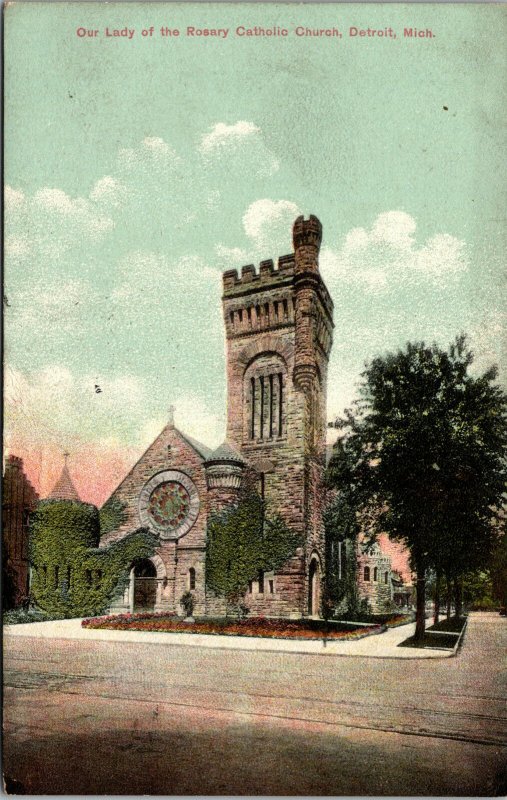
x: 279, y: 324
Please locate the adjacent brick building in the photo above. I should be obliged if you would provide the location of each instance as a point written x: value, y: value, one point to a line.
x: 19, y: 498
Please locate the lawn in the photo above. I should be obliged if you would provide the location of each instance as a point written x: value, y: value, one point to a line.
x: 452, y: 625
x: 250, y: 626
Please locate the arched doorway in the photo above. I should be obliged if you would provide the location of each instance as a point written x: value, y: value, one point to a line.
x: 145, y: 585
x: 314, y: 588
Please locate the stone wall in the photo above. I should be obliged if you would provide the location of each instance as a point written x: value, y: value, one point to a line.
x: 170, y: 451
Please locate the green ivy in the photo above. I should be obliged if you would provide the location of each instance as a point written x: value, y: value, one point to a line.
x: 112, y: 515
x: 340, y: 524
x: 71, y: 575
x: 241, y: 542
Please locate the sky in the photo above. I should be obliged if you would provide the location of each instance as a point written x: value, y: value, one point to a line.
x: 137, y: 170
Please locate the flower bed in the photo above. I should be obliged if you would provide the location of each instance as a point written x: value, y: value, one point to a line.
x: 252, y: 626
x: 399, y: 619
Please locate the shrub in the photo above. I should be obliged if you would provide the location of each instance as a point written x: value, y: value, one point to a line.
x: 187, y: 601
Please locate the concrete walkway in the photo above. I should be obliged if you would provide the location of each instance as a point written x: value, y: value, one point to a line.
x: 383, y: 645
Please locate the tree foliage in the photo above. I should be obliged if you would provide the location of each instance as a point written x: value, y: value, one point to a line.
x: 72, y: 576
x: 341, y: 530
x: 425, y: 447
x: 241, y: 542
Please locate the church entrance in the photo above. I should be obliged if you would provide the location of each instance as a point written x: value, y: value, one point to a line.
x: 314, y: 588
x: 145, y: 585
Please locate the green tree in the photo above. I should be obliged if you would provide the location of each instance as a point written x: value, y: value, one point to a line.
x: 342, y: 528
x: 426, y: 448
x: 241, y: 542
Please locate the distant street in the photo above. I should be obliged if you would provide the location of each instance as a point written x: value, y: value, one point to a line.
x: 121, y: 718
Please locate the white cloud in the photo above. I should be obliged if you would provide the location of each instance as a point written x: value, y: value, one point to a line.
x: 79, y: 210
x: 52, y: 310
x: 222, y: 135
x: 108, y: 190
x: 152, y: 150
x: 231, y: 257
x: 53, y: 405
x: 268, y: 223
x: 240, y: 147
x: 387, y: 255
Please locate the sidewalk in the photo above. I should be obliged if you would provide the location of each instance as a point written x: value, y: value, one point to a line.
x: 383, y: 645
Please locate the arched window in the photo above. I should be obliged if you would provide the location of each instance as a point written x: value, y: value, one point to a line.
x: 366, y: 573
x: 386, y: 577
x: 191, y: 578
x: 264, y: 389
x: 375, y: 574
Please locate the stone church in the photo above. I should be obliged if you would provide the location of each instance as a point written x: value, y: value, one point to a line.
x: 279, y: 331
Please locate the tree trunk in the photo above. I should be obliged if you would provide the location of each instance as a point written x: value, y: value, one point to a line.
x: 420, y: 609
x: 449, y: 596
x: 458, y: 607
x: 436, y: 608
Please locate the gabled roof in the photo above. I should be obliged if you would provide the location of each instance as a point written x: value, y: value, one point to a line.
x: 201, y: 449
x: 64, y: 488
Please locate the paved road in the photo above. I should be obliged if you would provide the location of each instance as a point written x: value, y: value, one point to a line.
x: 97, y: 717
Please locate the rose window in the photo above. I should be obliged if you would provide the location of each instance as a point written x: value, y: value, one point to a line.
x: 169, y: 505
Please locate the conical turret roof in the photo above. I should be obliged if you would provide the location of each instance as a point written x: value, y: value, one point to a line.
x: 226, y: 452
x: 64, y: 488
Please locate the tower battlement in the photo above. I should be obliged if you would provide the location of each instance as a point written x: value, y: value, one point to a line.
x: 252, y: 278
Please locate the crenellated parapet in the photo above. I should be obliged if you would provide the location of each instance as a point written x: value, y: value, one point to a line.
x: 251, y: 278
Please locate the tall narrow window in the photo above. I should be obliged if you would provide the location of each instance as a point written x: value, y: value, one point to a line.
x: 231, y: 317
x: 252, y: 408
x: 271, y: 404
x: 57, y: 576
x: 366, y: 573
x: 386, y: 577
x: 285, y: 309
x: 266, y: 312
x: 275, y: 309
x: 249, y: 313
x: 191, y: 578
x: 261, y: 381
x: 260, y: 579
x: 375, y: 574
x: 280, y: 403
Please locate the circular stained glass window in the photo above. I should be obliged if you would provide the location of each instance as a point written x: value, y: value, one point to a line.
x: 169, y: 505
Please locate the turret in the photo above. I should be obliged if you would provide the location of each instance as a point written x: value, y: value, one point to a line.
x: 224, y: 476
x: 307, y: 237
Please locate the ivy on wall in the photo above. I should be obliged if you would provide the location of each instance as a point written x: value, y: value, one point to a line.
x: 112, y: 515
x: 241, y: 542
x: 71, y: 575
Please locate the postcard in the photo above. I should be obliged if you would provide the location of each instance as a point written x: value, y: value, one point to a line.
x: 255, y: 401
